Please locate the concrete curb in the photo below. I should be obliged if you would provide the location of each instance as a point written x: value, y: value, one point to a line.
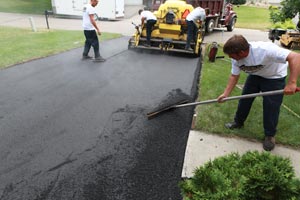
x: 203, y: 147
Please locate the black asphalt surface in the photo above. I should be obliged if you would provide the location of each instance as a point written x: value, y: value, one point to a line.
x: 72, y: 129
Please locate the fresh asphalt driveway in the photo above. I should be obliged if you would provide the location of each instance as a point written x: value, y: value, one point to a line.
x: 72, y: 129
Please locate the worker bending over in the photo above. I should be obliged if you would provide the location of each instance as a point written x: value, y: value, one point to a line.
x: 150, y: 19
x: 266, y: 65
x: 191, y: 20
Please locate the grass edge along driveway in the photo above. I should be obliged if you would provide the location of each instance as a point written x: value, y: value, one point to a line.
x: 20, y: 45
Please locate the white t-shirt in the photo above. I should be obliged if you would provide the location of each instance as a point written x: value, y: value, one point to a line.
x: 197, y: 13
x: 148, y: 15
x: 265, y: 59
x: 88, y: 10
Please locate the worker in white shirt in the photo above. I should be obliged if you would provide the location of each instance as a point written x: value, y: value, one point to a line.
x: 191, y: 20
x: 150, y: 19
x: 267, y: 67
x: 91, y: 30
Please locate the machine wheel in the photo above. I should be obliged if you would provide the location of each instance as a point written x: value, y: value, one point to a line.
x: 286, y: 46
x: 209, y: 26
x: 202, y: 32
x: 129, y: 43
x: 199, y: 52
x: 231, y: 25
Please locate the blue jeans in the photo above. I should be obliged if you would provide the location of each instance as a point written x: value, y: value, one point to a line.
x: 91, y: 39
x: 191, y: 33
x: 271, y: 104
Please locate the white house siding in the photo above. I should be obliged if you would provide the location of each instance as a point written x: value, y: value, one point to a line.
x: 274, y: 1
x: 133, y: 2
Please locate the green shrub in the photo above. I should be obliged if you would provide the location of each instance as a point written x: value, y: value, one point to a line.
x: 287, y: 24
x: 275, y: 14
x: 238, y: 2
x: 251, y: 176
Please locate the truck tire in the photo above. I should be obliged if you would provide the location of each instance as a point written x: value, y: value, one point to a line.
x: 231, y: 25
x: 209, y: 26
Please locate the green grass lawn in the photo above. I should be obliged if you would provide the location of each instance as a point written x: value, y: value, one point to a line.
x: 212, y: 117
x: 20, y: 45
x: 25, y: 6
x: 252, y: 17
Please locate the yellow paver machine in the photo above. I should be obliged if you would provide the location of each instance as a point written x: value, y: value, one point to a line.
x: 288, y: 38
x: 170, y: 31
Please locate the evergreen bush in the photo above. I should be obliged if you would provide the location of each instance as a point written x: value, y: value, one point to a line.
x: 288, y: 24
x: 238, y: 2
x: 250, y: 176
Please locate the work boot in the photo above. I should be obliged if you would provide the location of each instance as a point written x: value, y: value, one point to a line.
x: 233, y: 125
x: 86, y: 57
x: 99, y: 59
x: 269, y: 143
x: 189, y: 49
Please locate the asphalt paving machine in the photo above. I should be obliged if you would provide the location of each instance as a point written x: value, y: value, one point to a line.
x: 291, y: 39
x: 220, y: 13
x: 170, y: 31
x: 288, y: 38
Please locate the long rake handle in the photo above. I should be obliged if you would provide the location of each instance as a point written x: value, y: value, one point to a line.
x: 275, y: 92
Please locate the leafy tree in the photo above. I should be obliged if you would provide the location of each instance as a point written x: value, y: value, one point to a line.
x: 238, y: 2
x: 276, y: 15
x: 290, y: 8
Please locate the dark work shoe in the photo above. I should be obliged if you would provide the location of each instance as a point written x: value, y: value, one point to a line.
x: 86, y: 58
x: 189, y: 49
x: 233, y: 125
x: 269, y: 143
x: 99, y: 59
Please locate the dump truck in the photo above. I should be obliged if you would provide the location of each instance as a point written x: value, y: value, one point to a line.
x: 170, y: 31
x: 220, y: 13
